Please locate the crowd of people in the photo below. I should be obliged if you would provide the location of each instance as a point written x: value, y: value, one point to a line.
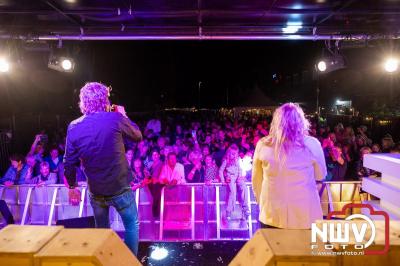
x: 181, y: 149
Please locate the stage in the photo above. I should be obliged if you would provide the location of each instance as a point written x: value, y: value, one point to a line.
x: 190, y: 253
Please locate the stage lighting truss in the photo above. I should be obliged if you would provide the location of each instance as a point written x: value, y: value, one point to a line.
x: 61, y: 63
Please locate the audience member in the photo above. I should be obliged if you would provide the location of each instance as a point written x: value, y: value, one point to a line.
x: 17, y: 172
x: 129, y: 158
x: 210, y: 170
x: 194, y: 171
x: 172, y: 172
x: 360, y: 169
x: 33, y: 166
x: 138, y: 172
x: 154, y: 169
x: 387, y: 143
x: 231, y: 174
x: 46, y: 177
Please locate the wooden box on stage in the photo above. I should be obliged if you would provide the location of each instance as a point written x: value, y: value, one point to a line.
x: 86, y: 247
x: 282, y: 248
x: 391, y: 258
x: 18, y: 244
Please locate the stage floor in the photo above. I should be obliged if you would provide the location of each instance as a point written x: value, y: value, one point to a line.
x: 206, y: 253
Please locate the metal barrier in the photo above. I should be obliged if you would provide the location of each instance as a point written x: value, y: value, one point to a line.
x: 187, y: 212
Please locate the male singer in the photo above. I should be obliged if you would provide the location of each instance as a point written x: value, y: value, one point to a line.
x: 96, y: 140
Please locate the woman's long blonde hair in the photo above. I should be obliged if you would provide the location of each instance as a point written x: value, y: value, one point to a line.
x: 289, y: 126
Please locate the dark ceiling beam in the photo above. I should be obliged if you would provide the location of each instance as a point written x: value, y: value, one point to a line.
x: 199, y: 12
x: 268, y: 10
x: 338, y: 11
x: 208, y: 36
x: 194, y: 12
x: 61, y: 12
x: 42, y: 28
x: 199, y: 17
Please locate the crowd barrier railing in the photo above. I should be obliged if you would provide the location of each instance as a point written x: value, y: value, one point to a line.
x: 193, y: 211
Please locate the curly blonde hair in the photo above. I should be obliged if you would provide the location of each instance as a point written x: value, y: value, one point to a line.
x: 94, y: 98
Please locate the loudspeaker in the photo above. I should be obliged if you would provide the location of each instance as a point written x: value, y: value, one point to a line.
x: 83, y: 222
x: 6, y: 213
x: 89, y: 247
x: 18, y: 243
x: 280, y: 247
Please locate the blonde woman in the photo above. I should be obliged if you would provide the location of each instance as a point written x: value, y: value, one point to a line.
x: 286, y: 165
x: 231, y: 174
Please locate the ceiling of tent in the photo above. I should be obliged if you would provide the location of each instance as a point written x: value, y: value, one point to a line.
x: 199, y: 19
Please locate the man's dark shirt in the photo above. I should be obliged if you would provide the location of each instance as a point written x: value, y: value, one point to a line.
x: 198, y: 176
x: 98, y: 141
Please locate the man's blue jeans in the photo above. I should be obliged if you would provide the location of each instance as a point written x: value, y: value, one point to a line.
x: 126, y: 206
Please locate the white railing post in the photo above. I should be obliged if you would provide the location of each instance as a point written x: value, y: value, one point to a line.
x: 161, y: 214
x: 218, y: 212
x: 27, y: 201
x: 82, y: 203
x: 52, y: 206
x: 330, y: 200
x: 250, y: 220
x: 193, y: 212
x: 137, y: 199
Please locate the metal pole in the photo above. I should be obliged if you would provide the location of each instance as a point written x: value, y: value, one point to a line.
x: 250, y: 218
x: 317, y: 104
x: 27, y: 201
x: 162, y: 214
x: 330, y: 199
x: 218, y: 211
x: 137, y: 197
x: 82, y: 203
x: 52, y: 206
x: 81, y: 37
x: 199, y: 94
x: 193, y: 211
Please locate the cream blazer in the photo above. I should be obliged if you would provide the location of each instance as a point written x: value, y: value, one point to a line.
x: 288, y: 197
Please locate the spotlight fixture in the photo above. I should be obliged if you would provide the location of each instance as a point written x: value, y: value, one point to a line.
x: 391, y: 65
x: 330, y: 63
x: 332, y: 59
x: 61, y: 63
x: 321, y: 66
x: 66, y: 64
x: 4, y: 65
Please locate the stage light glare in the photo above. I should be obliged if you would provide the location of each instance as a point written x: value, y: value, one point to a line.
x: 292, y: 27
x: 66, y: 64
x: 321, y: 66
x: 159, y: 253
x: 4, y: 65
x: 61, y: 63
x: 246, y: 164
x: 391, y: 65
